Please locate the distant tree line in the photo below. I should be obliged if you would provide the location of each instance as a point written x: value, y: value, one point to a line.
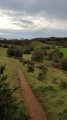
x: 62, y: 41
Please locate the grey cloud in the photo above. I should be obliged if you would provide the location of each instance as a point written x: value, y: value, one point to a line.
x: 26, y: 21
x: 54, y: 8
x: 16, y: 10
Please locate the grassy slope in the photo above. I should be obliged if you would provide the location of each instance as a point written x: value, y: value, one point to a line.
x: 64, y: 50
x: 13, y: 78
x: 49, y: 91
x: 38, y: 44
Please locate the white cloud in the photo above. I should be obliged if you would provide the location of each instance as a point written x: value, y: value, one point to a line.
x: 26, y: 22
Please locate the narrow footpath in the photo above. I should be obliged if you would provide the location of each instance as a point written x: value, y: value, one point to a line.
x: 35, y: 109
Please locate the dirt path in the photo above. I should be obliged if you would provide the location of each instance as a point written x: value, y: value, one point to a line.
x: 34, y: 107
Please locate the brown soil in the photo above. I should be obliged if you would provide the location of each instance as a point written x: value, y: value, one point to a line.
x: 35, y: 109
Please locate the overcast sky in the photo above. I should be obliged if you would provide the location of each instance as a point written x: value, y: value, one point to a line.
x: 33, y: 18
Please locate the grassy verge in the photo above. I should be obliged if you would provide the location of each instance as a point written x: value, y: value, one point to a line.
x: 13, y: 78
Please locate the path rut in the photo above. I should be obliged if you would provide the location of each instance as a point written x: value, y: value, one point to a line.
x: 35, y: 109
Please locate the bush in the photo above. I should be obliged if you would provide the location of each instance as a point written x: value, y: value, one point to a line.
x: 63, y: 84
x: 45, y: 52
x: 5, y: 46
x: 0, y: 45
x: 30, y: 66
x: 10, y: 52
x: 27, y: 51
x: 61, y: 55
x: 38, y: 56
x: 50, y: 55
x: 47, y: 47
x: 2, y: 68
x: 44, y: 70
x: 64, y: 64
x: 40, y: 76
x: 17, y: 52
x: 55, y: 59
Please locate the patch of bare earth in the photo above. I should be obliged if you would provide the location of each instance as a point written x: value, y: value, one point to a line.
x: 35, y: 109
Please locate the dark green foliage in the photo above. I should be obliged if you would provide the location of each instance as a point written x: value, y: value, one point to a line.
x: 40, y: 76
x: 61, y: 55
x: 0, y: 45
x: 55, y: 59
x: 43, y: 72
x: 27, y: 51
x: 63, y: 84
x: 44, y: 69
x: 45, y: 52
x: 17, y: 52
x: 9, y: 107
x: 30, y: 66
x: 47, y: 47
x: 50, y: 55
x: 38, y: 56
x: 2, y: 68
x: 12, y: 46
x: 5, y: 46
x: 64, y: 64
x: 63, y: 114
x: 55, y: 55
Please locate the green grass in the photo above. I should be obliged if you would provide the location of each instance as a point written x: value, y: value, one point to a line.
x: 13, y: 78
x: 38, y: 44
x: 64, y: 50
x: 27, y: 56
x: 49, y: 91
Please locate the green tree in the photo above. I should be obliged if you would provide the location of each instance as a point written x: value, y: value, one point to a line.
x: 38, y: 56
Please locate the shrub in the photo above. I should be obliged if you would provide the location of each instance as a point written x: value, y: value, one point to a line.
x: 44, y: 70
x: 50, y: 55
x: 30, y: 66
x: 38, y: 56
x: 17, y: 52
x: 63, y: 84
x: 41, y: 67
x: 55, y: 59
x: 27, y: 51
x: 2, y: 68
x: 47, y: 47
x: 40, y: 76
x: 64, y: 64
x: 45, y: 52
x: 11, y: 52
x: 5, y: 46
x: 61, y: 55
x: 0, y: 45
